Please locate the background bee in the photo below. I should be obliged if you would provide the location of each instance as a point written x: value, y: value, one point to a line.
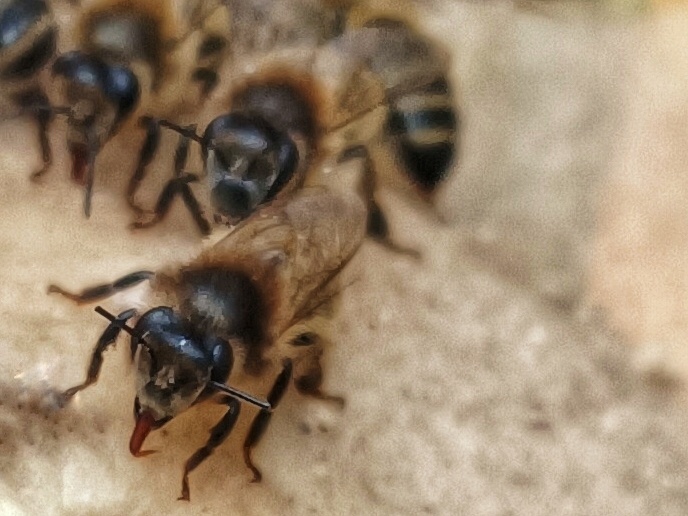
x: 421, y: 121
x: 382, y: 70
x: 261, y: 148
x: 256, y: 295
x: 124, y: 61
x: 28, y: 37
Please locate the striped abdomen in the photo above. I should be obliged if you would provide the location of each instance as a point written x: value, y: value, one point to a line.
x: 425, y: 123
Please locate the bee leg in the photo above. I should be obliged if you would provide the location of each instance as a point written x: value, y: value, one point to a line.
x: 260, y: 423
x: 106, y: 339
x: 90, y: 173
x: 218, y: 434
x: 378, y: 229
x: 309, y: 383
x: 92, y: 294
x: 207, y: 79
x: 148, y: 149
x: 44, y: 117
x: 38, y: 104
x: 178, y: 185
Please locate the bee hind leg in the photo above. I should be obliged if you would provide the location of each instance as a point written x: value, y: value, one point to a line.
x: 218, y: 435
x: 309, y: 385
x: 309, y: 380
x: 260, y: 422
x: 378, y: 228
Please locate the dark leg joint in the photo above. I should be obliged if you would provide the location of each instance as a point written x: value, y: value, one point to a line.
x: 309, y: 385
x: 378, y: 229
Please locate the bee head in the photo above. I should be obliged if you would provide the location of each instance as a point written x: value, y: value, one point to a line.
x: 100, y: 96
x: 247, y: 160
x: 173, y: 368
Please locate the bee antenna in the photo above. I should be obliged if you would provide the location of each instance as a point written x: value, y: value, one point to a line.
x: 100, y: 310
x: 188, y: 131
x: 241, y: 395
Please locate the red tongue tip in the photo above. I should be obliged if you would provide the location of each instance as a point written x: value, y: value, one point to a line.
x: 79, y: 163
x: 144, y: 424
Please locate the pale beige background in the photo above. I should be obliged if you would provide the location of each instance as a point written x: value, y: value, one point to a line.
x: 479, y: 381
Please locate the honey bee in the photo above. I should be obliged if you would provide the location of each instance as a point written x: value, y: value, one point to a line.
x: 123, y: 62
x: 281, y: 120
x: 28, y: 38
x: 257, y: 296
x: 258, y: 150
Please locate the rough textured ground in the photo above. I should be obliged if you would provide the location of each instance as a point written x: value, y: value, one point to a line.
x: 478, y: 381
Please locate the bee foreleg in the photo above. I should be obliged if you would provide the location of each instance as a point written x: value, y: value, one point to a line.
x: 177, y: 186
x: 260, y: 423
x: 38, y: 104
x: 195, y: 210
x: 218, y: 434
x: 150, y: 146
x: 99, y: 292
x: 106, y: 339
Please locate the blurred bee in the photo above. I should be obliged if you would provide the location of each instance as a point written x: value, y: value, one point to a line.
x: 280, y: 118
x: 257, y: 296
x: 28, y: 36
x: 420, y: 119
x: 258, y: 150
x: 125, y: 58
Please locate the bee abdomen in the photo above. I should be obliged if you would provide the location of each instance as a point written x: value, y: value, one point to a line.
x: 425, y: 124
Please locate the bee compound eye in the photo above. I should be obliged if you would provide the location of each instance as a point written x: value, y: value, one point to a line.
x: 232, y: 199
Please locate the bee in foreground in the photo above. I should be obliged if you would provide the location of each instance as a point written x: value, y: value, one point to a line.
x: 125, y: 58
x: 271, y: 139
x: 255, y: 295
x: 28, y: 35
